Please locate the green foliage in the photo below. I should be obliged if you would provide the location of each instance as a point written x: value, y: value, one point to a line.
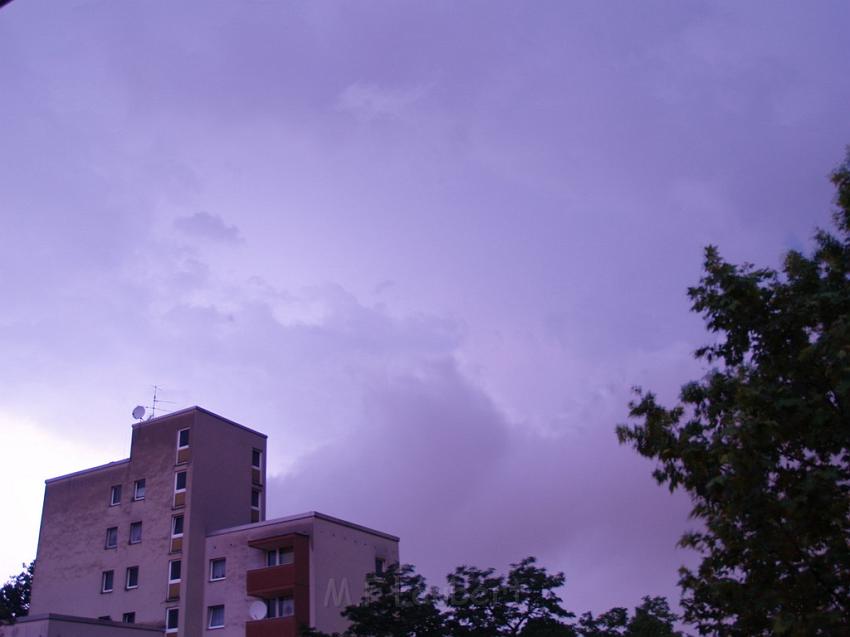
x: 653, y: 618
x: 762, y: 443
x: 612, y: 623
x: 482, y: 604
x: 15, y: 595
x: 398, y: 603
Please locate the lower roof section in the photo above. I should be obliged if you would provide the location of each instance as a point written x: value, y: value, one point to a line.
x: 51, y: 624
x: 300, y: 517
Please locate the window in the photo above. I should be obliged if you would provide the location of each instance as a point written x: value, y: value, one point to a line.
x: 112, y: 537
x: 279, y: 557
x: 135, y: 532
x: 256, y: 458
x: 172, y: 620
x: 115, y: 495
x: 215, y: 615
x: 106, y: 618
x: 132, y: 578
x: 182, y: 438
x: 107, y: 578
x: 177, y: 526
x: 280, y: 607
x: 180, y: 481
x: 128, y: 618
x: 379, y: 566
x: 217, y: 569
x: 255, y: 505
x: 174, y: 571
x: 139, y: 490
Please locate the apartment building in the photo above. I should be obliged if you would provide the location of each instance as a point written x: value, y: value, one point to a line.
x: 175, y: 539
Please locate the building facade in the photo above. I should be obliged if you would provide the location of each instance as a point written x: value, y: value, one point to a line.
x: 175, y: 537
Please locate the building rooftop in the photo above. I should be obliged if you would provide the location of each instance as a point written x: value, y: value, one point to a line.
x: 53, y: 618
x: 304, y: 516
x: 82, y: 472
x: 183, y: 412
x: 145, y: 423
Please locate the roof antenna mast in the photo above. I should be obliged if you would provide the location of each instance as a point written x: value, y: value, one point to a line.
x: 157, y: 401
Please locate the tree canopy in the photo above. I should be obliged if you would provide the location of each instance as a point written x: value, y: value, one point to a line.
x: 762, y: 442
x: 15, y: 595
x: 483, y: 603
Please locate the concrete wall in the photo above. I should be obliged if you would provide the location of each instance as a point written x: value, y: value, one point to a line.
x: 232, y: 544
x: 71, y: 554
x: 342, y: 556
x: 219, y: 497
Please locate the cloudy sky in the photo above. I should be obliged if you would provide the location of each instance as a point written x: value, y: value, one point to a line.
x: 427, y: 247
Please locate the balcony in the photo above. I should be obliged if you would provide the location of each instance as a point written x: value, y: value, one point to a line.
x: 273, y: 581
x: 278, y: 627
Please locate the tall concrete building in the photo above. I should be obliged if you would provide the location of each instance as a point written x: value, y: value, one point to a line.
x: 175, y: 539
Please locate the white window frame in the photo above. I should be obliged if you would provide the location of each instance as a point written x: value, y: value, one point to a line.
x: 259, y: 507
x: 180, y: 431
x: 127, y: 584
x: 136, y: 496
x: 274, y: 607
x: 183, y: 490
x: 132, y: 526
x: 176, y: 626
x: 179, y: 579
x: 212, y: 569
x: 276, y: 553
x: 114, y: 490
x: 210, y: 611
x: 103, y: 578
x: 174, y: 523
x: 115, y: 544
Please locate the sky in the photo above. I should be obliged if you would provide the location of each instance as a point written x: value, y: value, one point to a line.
x: 427, y: 247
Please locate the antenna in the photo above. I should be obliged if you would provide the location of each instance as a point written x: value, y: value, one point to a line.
x: 155, y: 402
x: 139, y: 412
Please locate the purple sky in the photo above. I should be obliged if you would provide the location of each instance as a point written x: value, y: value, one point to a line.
x: 427, y: 247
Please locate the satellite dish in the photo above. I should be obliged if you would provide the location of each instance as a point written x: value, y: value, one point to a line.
x: 139, y: 412
x: 257, y: 610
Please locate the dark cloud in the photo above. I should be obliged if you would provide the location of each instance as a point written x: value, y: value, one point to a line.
x: 537, y: 183
x: 203, y: 225
x: 431, y: 458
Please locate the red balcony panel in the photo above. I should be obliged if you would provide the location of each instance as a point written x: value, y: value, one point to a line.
x: 276, y: 580
x: 271, y: 581
x: 278, y: 627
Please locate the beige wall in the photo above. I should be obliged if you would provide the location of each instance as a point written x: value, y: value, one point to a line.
x: 232, y: 544
x: 341, y: 554
x: 219, y: 497
x: 217, y: 513
x: 71, y: 554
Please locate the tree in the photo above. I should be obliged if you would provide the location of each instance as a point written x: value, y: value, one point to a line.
x: 483, y: 604
x: 653, y: 618
x: 762, y: 442
x: 398, y: 603
x: 612, y: 623
x: 480, y: 604
x: 15, y: 595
